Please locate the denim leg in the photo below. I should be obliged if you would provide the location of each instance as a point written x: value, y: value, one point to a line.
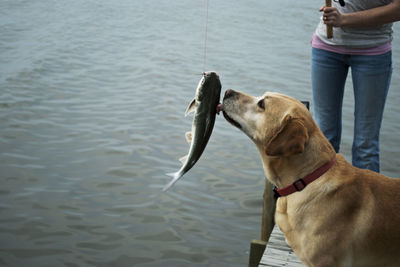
x: 328, y: 76
x: 371, y: 79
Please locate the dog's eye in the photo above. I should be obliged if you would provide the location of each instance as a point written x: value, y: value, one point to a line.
x: 261, y: 104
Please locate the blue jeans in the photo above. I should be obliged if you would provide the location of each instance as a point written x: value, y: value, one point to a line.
x: 371, y: 79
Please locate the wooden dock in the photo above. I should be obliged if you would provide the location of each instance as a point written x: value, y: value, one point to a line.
x: 278, y: 253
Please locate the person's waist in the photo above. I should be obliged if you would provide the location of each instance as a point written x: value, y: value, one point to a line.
x: 377, y: 50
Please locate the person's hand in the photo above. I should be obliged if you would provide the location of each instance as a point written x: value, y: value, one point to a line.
x: 331, y: 16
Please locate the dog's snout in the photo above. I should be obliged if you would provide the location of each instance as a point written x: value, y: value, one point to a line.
x: 229, y: 93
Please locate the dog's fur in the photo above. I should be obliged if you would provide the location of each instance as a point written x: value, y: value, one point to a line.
x: 348, y: 216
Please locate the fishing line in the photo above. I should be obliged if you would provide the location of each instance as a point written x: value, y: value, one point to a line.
x: 207, y: 3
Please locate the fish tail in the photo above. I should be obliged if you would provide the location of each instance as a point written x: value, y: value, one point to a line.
x: 175, y: 177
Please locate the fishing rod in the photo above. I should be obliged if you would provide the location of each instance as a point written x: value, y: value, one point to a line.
x: 329, y: 28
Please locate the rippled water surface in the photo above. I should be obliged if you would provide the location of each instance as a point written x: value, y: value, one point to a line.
x: 92, y: 96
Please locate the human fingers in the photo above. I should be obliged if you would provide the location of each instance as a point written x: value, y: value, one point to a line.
x: 329, y: 10
x: 326, y: 9
x: 332, y: 18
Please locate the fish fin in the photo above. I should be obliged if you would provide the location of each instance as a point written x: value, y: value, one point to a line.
x: 183, y: 159
x: 191, y: 107
x: 189, y: 136
x: 175, y: 177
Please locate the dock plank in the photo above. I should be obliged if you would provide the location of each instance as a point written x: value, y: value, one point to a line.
x: 278, y: 253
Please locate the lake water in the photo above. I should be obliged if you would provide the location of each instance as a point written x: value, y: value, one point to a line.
x: 92, y: 97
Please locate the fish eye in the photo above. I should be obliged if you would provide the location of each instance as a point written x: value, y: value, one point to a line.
x: 261, y: 104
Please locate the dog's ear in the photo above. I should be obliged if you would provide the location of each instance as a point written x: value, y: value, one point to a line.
x: 289, y: 140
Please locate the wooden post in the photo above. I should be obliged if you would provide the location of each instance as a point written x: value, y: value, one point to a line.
x: 268, y: 211
x: 329, y: 29
x: 257, y: 248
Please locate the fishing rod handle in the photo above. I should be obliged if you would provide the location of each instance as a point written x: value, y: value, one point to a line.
x: 329, y: 29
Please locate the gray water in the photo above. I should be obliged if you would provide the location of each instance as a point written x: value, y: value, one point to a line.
x: 92, y: 96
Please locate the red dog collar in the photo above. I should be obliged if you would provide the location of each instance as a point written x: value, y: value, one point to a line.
x: 303, y: 182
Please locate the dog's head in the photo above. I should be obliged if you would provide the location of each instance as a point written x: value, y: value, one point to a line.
x: 278, y: 124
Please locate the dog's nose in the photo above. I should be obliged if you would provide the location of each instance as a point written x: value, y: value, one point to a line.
x: 229, y: 93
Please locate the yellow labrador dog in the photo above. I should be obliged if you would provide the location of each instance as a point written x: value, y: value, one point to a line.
x: 336, y: 215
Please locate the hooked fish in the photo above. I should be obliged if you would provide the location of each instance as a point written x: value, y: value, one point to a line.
x: 205, y: 106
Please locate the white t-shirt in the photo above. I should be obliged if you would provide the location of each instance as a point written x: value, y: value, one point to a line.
x: 360, y: 37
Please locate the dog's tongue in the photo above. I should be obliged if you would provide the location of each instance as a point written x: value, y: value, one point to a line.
x: 219, y: 108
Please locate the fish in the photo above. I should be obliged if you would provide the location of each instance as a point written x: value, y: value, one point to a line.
x: 205, y: 107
